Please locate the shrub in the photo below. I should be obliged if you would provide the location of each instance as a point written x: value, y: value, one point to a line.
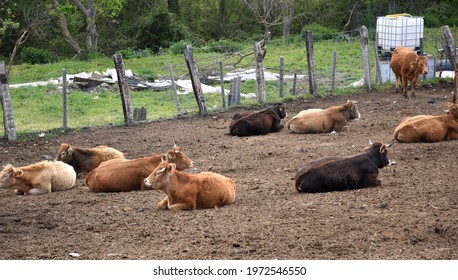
x: 33, y: 55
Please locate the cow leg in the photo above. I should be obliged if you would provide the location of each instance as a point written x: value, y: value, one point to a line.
x: 404, y: 84
x: 414, y: 84
x: 181, y: 206
x: 163, y: 203
x: 18, y: 192
x: 35, y: 190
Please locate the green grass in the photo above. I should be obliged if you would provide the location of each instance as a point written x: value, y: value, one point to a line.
x: 38, y: 109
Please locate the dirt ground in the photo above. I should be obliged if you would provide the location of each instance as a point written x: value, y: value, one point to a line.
x: 413, y: 215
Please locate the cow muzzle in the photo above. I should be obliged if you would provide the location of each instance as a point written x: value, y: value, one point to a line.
x: 147, y: 183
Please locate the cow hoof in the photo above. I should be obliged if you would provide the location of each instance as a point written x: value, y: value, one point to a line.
x: 405, y: 95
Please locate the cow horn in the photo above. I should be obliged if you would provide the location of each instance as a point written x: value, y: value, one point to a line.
x: 370, y: 142
x: 174, y: 144
x: 389, y: 145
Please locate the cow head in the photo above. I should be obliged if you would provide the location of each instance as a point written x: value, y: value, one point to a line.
x: 8, y: 176
x: 65, y: 153
x: 279, y: 108
x: 379, y: 150
x: 176, y: 156
x: 353, y: 106
x: 159, y: 178
x: 420, y: 64
x: 453, y: 110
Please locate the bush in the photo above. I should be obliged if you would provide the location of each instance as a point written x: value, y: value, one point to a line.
x: 320, y: 32
x: 33, y: 55
x: 131, y: 53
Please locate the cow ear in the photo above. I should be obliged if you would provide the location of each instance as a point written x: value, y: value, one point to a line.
x: 17, y: 173
x: 164, y: 158
x: 170, y: 154
x: 382, y: 149
x: 70, y: 151
x: 171, y: 167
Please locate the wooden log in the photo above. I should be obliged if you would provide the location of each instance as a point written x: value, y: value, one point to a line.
x: 196, y: 86
x: 364, y: 40
x: 260, y: 81
x: 7, y: 107
x: 311, y: 63
x: 124, y: 90
x: 174, y: 90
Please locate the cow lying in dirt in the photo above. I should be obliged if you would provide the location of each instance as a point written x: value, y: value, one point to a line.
x: 122, y: 175
x: 39, y: 178
x: 258, y: 122
x: 190, y: 191
x: 84, y: 160
x: 333, y: 118
x: 427, y: 128
x: 341, y: 173
x: 407, y: 65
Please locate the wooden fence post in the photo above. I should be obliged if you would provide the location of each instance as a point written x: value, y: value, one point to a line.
x: 124, y: 90
x: 282, y: 75
x: 64, y: 99
x: 196, y: 86
x: 333, y: 71
x: 311, y: 62
x: 378, y: 71
x: 174, y: 89
x: 221, y: 79
x: 364, y: 40
x: 235, y: 91
x: 294, y: 83
x: 260, y: 81
x: 449, y: 46
x: 8, y: 117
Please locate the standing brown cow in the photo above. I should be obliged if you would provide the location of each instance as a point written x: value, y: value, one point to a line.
x: 407, y: 65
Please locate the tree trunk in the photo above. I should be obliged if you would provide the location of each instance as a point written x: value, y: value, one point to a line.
x: 288, y: 17
x: 64, y: 28
x: 220, y: 27
x: 90, y: 14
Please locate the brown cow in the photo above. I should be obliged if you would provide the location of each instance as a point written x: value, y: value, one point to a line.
x: 84, y: 160
x: 258, y: 122
x: 427, y: 128
x: 190, y: 191
x: 407, y: 65
x: 333, y: 118
x: 122, y: 175
x: 39, y: 178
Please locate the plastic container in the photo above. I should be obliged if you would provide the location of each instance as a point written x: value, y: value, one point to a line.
x: 399, y: 30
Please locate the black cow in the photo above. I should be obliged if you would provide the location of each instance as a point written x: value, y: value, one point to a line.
x: 258, y: 122
x: 341, y: 173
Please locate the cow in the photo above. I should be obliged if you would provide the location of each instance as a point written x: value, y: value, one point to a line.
x: 429, y: 128
x: 123, y: 175
x: 38, y: 178
x: 339, y: 173
x: 258, y: 122
x: 333, y: 118
x: 190, y: 191
x: 407, y: 65
x: 84, y: 160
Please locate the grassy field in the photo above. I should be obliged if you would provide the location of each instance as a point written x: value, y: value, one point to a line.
x: 39, y: 109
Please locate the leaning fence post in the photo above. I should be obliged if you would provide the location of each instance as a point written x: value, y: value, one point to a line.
x: 174, y: 89
x: 260, y: 73
x: 64, y: 99
x: 8, y: 117
x: 196, y: 86
x: 123, y: 89
x: 311, y: 62
x: 364, y: 39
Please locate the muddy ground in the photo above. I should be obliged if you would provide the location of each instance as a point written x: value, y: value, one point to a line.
x: 413, y: 215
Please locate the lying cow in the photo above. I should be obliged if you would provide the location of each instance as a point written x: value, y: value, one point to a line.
x: 122, y: 175
x: 341, y: 173
x: 427, y: 128
x: 190, y: 191
x: 324, y: 120
x: 39, y: 178
x: 407, y: 65
x: 84, y: 160
x: 258, y: 122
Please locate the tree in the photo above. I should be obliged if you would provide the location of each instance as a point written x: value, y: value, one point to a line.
x: 91, y: 12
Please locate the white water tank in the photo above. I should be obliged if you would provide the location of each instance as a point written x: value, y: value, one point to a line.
x: 399, y: 30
